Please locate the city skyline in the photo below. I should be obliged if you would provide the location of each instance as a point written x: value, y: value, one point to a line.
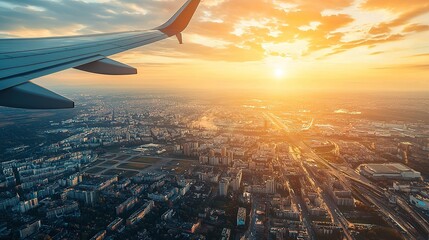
x: 165, y: 165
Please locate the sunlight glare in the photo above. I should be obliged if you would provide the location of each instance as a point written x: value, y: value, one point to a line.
x: 279, y: 72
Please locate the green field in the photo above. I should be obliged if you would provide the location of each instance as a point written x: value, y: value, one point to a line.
x: 109, y: 163
x: 95, y: 170
x: 183, y: 163
x: 96, y: 162
x: 123, y: 173
x: 134, y: 166
x: 108, y: 156
x: 129, y: 174
x: 122, y: 157
x: 180, y: 166
x: 149, y: 160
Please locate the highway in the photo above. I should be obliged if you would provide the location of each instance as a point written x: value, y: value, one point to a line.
x: 303, y: 211
x: 308, y: 153
x: 401, y: 202
x: 390, y: 214
x: 335, y: 213
x: 373, y: 193
x: 251, y: 231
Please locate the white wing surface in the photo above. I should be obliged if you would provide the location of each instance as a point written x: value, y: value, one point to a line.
x: 24, y: 59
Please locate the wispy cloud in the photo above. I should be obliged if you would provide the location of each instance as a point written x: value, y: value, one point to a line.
x: 242, y: 31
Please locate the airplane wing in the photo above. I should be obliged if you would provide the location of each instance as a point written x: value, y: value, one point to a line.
x: 24, y: 59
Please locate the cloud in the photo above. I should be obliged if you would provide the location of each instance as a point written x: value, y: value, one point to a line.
x: 423, y: 67
x: 395, y: 5
x: 420, y: 55
x: 416, y: 28
x: 225, y: 30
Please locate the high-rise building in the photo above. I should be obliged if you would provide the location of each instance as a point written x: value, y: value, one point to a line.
x: 204, y: 159
x: 236, y: 180
x: 211, y: 153
x: 223, y: 152
x: 128, y: 136
x: 241, y: 217
x: 86, y: 196
x: 404, y: 151
x: 230, y: 155
x: 187, y: 149
x: 24, y: 206
x: 266, y: 124
x: 126, y: 205
x: 214, y: 161
x: 270, y: 186
x: 223, y: 187
x: 140, y: 213
x: 29, y: 229
x: 100, y: 235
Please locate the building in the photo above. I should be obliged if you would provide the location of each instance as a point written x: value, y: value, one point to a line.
x: 100, y: 235
x: 190, y: 227
x: 241, y: 217
x: 270, y: 186
x: 230, y: 155
x: 71, y: 180
x: 149, y: 177
x: 327, y: 229
x: 163, y: 196
x: 60, y: 209
x: 389, y: 171
x: 341, y: 195
x: 420, y: 202
x: 115, y: 224
x: 126, y: 205
x: 140, y: 213
x: 404, y: 151
x: 223, y: 152
x: 87, y: 197
x: 8, y: 202
x: 226, y: 234
x: 29, y: 229
x: 236, y: 177
x: 223, y: 187
x: 168, y: 215
x: 186, y: 149
x: 24, y: 206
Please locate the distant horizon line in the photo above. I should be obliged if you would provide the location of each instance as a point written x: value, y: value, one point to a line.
x: 232, y: 89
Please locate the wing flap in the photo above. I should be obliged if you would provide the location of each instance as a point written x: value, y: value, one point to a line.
x: 107, y: 66
x: 24, y: 77
x: 32, y: 96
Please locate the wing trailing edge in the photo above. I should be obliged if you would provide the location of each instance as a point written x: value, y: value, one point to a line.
x: 32, y: 96
x: 107, y: 66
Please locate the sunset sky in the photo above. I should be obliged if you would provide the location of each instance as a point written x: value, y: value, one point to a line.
x: 262, y: 44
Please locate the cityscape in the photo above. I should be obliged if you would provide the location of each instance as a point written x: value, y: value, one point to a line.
x: 217, y: 165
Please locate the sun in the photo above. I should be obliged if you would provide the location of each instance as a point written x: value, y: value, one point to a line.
x: 279, y: 72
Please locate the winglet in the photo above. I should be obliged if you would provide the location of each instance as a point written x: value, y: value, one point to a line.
x: 179, y: 38
x: 180, y: 20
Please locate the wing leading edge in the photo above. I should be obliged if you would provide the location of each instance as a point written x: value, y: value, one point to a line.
x: 24, y: 59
